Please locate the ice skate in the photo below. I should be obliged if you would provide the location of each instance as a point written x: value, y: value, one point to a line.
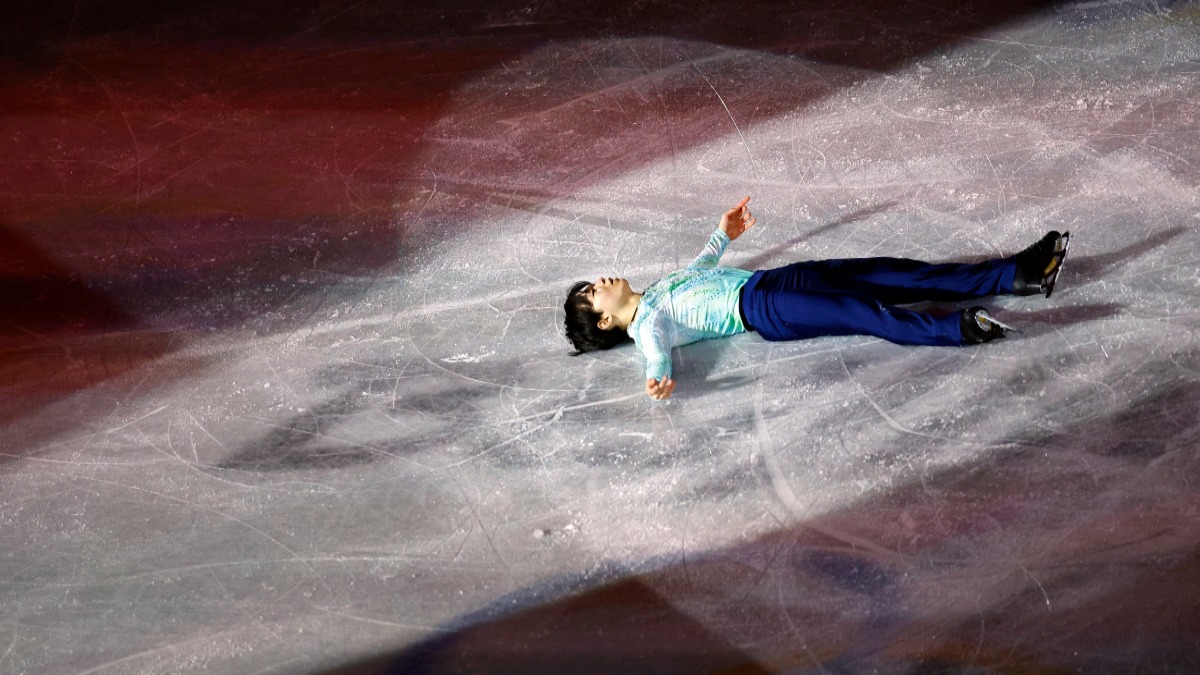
x: 978, y: 326
x: 1038, y: 265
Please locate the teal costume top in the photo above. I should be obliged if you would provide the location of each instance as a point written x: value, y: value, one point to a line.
x: 697, y: 303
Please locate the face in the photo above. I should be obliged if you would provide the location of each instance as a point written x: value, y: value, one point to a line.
x: 607, y: 295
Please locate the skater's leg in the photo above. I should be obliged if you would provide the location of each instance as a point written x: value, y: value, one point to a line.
x: 900, y: 280
x: 795, y: 315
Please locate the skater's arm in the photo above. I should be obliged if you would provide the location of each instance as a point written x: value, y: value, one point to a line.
x: 654, y: 341
x: 733, y: 223
x: 658, y: 360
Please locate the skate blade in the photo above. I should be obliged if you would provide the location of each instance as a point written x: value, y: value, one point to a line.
x: 991, y: 319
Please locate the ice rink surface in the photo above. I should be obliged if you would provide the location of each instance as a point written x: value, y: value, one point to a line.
x: 285, y: 388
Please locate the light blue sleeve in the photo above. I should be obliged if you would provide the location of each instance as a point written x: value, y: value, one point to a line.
x: 655, y: 344
x: 712, y: 252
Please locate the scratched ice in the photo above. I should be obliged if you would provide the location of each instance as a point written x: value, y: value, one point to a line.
x: 320, y: 416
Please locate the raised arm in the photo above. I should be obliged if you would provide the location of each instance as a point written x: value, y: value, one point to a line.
x: 733, y: 223
x: 737, y: 220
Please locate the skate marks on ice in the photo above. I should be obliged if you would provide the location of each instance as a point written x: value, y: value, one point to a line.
x: 390, y: 452
x: 1042, y: 556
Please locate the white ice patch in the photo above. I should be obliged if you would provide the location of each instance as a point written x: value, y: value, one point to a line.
x: 467, y: 358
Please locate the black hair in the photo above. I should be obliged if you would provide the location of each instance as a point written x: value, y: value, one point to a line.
x: 581, y: 322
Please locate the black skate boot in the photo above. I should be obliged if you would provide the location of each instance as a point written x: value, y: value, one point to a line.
x: 1038, y: 266
x: 978, y: 326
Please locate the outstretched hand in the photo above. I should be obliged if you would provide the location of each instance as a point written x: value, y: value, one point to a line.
x: 737, y: 220
x: 660, y: 391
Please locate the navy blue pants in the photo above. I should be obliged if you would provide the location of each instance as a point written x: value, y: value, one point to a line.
x: 858, y: 296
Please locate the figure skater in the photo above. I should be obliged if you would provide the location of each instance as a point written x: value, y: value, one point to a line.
x: 856, y: 296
